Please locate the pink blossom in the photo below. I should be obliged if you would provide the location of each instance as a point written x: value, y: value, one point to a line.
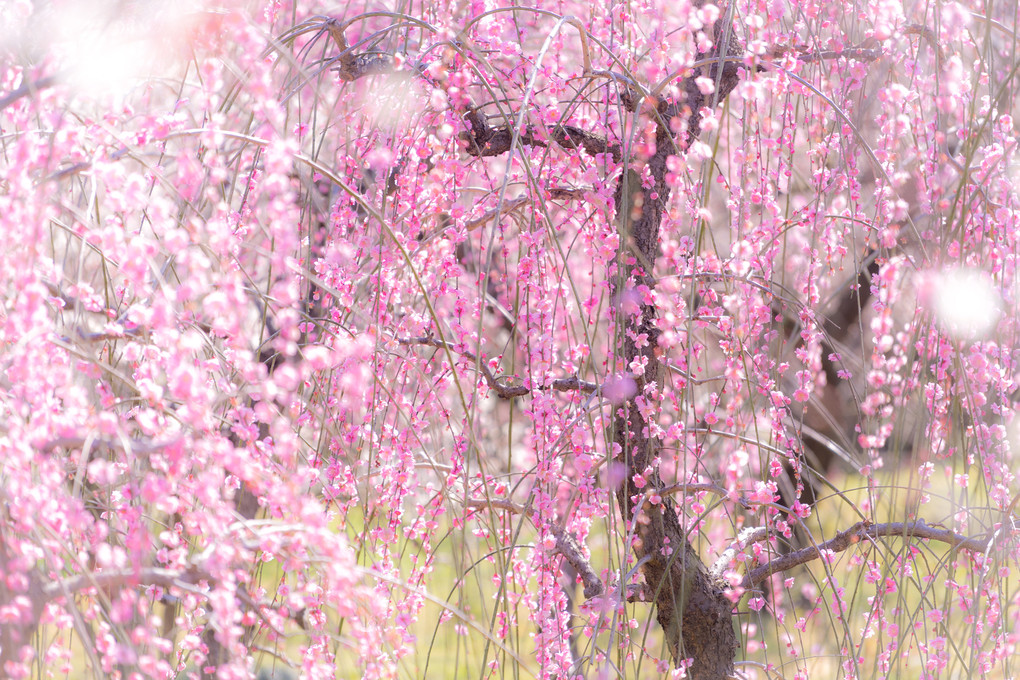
x: 318, y: 322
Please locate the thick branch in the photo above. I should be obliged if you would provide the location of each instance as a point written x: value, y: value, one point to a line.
x: 354, y: 66
x: 501, y: 385
x: 566, y: 545
x: 850, y: 54
x: 482, y: 139
x: 866, y: 530
x: 485, y: 140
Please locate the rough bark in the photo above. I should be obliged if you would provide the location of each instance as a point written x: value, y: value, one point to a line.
x: 695, y: 616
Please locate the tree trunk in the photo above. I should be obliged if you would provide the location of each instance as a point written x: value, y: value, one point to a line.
x: 696, y: 617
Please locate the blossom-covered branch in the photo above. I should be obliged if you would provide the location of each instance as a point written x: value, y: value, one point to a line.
x: 483, y: 139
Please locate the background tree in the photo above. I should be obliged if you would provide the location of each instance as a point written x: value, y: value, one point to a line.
x: 475, y: 339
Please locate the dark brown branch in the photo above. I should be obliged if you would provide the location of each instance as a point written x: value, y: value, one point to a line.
x: 569, y: 547
x: 484, y: 140
x: 41, y: 593
x: 573, y: 384
x: 566, y: 194
x: 866, y: 530
x: 246, y: 501
x: 354, y: 66
x: 501, y: 385
x: 571, y: 138
x: 357, y: 66
x: 189, y: 580
x: 840, y: 542
x: 869, y: 50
